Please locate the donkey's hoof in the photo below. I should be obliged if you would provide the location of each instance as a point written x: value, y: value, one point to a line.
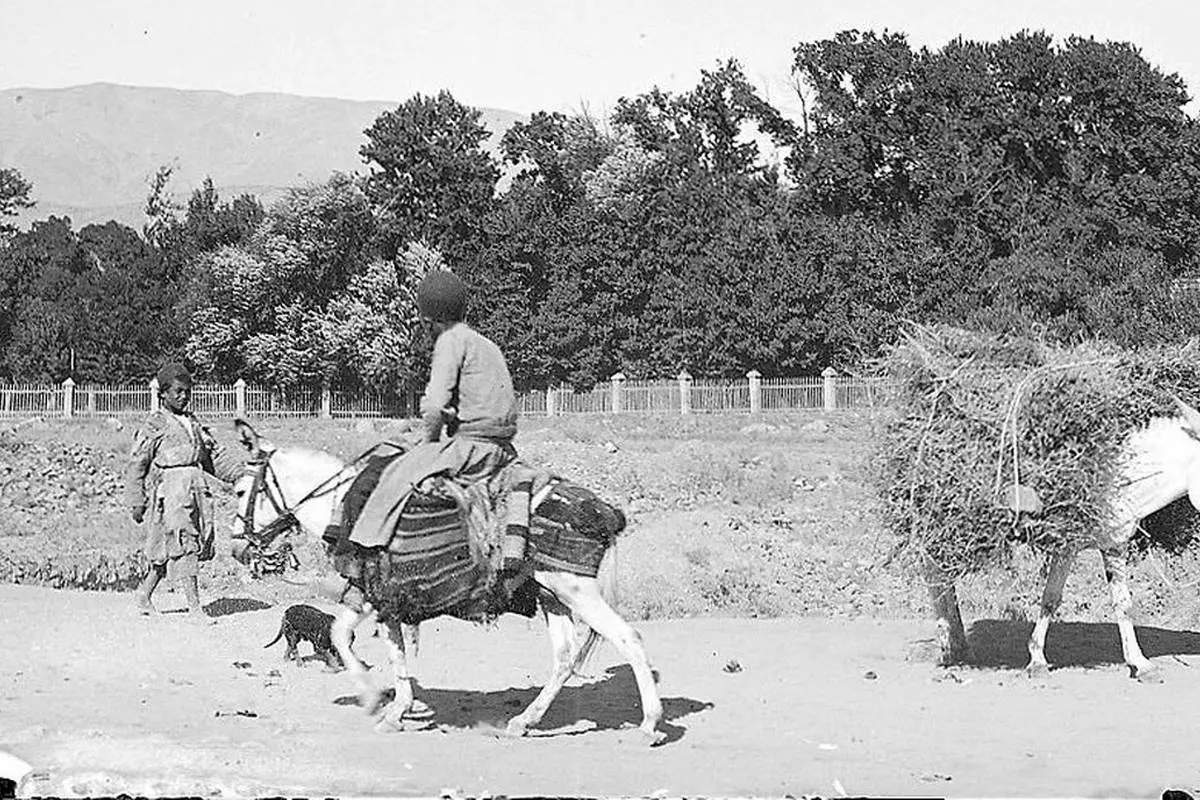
x: 369, y: 700
x: 1038, y: 670
x: 418, y: 711
x: 652, y: 737
x: 402, y: 725
x: 395, y: 720
x: 1148, y: 674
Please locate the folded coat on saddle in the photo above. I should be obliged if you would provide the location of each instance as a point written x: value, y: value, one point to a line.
x: 466, y: 460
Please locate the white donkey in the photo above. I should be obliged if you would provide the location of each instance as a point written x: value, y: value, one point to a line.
x: 1160, y: 464
x: 301, y: 487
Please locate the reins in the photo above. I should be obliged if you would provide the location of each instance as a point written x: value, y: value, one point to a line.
x: 266, y: 481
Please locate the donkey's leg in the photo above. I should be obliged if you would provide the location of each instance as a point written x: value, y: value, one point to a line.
x: 1117, y: 572
x: 1056, y: 580
x: 952, y: 638
x: 582, y: 596
x: 561, y: 629
x: 411, y: 639
x: 398, y: 716
x: 344, y: 623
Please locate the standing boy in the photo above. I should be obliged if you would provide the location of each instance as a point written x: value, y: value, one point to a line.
x: 168, y: 493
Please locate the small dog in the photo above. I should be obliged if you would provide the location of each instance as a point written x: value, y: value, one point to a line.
x: 303, y: 623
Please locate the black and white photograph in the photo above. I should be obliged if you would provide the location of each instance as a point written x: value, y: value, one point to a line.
x: 599, y: 398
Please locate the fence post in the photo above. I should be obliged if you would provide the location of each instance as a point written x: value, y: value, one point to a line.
x: 685, y: 393
x: 91, y: 400
x: 68, y: 397
x: 829, y: 374
x: 326, y: 401
x: 239, y: 398
x: 153, y: 395
x: 550, y: 397
x: 618, y: 383
x: 755, y: 378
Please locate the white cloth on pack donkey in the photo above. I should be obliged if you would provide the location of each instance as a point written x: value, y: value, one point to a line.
x: 441, y: 561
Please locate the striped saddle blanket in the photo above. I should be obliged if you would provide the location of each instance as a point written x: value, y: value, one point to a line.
x: 444, y: 553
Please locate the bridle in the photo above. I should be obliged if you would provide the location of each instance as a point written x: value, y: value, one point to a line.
x: 268, y: 549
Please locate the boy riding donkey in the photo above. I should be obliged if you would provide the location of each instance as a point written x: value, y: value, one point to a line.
x: 167, y: 490
x: 469, y: 414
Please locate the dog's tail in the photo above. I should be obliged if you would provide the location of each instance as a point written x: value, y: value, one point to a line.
x: 278, y: 636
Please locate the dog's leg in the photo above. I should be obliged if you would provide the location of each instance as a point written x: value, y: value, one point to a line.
x: 293, y: 646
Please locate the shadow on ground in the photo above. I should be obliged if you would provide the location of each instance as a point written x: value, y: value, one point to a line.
x: 1002, y: 643
x: 611, y: 703
x: 225, y: 606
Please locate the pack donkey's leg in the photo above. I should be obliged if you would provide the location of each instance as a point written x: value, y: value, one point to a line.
x: 1116, y: 571
x: 582, y: 596
x: 952, y: 638
x: 1056, y: 580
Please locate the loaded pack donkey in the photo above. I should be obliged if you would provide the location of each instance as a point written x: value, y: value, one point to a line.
x: 1159, y: 464
x: 299, y: 488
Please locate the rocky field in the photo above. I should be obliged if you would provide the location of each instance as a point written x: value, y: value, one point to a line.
x: 729, y: 516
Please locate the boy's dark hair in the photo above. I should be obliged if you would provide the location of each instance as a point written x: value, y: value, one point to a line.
x: 172, y: 371
x: 442, y: 296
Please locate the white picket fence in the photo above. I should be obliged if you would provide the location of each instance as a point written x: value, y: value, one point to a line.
x: 681, y: 395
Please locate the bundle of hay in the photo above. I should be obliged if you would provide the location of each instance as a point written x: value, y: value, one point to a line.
x: 996, y: 439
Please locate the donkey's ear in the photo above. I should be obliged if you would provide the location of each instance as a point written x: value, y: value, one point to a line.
x: 1189, y: 415
x: 247, y: 434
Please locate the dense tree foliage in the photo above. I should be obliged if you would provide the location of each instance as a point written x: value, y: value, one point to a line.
x: 429, y: 179
x: 1011, y: 185
x: 14, y: 196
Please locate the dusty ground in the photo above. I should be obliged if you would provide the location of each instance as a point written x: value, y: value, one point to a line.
x: 102, y: 701
x: 732, y: 520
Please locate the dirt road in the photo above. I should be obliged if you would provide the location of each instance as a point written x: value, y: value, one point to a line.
x: 102, y: 701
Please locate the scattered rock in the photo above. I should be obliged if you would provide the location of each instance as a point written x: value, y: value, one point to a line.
x: 802, y: 484
x: 934, y: 777
x: 241, y: 712
x: 732, y: 666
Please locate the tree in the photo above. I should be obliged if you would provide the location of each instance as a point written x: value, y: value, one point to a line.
x: 305, y: 301
x: 14, y: 197
x: 429, y: 179
x: 38, y: 271
x: 1021, y: 161
x: 92, y: 305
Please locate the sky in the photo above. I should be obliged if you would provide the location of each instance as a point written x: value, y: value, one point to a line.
x: 517, y: 55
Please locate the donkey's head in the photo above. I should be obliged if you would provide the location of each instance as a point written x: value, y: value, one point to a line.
x: 262, y: 512
x: 281, y: 488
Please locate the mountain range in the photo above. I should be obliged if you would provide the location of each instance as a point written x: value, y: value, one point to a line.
x: 91, y: 151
